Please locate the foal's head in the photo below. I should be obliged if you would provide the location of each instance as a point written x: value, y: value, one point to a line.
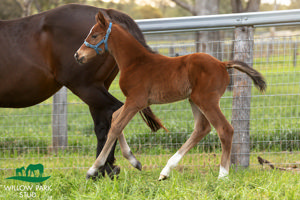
x: 96, y: 41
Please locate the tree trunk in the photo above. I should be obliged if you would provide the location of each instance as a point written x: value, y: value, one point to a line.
x: 207, y: 41
x: 252, y: 6
x: 26, y: 7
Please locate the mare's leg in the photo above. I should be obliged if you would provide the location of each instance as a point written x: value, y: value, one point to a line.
x: 201, y: 129
x: 102, y: 121
x: 209, y: 105
x: 127, y: 112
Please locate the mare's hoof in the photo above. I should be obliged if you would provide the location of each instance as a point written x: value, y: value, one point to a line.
x: 162, y: 177
x: 115, y: 173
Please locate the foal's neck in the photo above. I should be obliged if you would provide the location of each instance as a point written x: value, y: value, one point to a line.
x: 125, y: 48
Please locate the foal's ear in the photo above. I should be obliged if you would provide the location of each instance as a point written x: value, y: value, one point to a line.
x: 101, y: 19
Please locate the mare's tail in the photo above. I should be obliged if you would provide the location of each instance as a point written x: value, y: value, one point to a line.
x: 257, y: 78
x: 152, y: 121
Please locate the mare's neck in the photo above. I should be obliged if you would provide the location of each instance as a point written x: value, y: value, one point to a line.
x: 124, y: 47
x: 2, y: 22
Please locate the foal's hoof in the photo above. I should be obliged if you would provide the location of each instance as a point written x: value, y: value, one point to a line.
x: 223, y: 178
x: 88, y: 176
x: 162, y: 177
x: 138, y: 166
x: 91, y: 174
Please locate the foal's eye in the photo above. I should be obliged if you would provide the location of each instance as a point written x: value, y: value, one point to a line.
x: 94, y: 36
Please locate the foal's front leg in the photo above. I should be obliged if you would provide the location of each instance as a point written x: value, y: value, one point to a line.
x: 126, y: 152
x: 127, y: 112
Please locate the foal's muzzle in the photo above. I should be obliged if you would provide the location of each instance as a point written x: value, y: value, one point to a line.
x: 79, y: 60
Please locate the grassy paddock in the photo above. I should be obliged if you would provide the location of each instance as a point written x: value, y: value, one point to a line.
x: 194, y: 178
x: 185, y: 182
x: 26, y: 138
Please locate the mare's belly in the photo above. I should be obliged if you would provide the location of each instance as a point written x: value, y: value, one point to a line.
x: 19, y: 94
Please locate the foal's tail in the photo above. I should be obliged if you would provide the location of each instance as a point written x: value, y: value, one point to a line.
x: 258, y: 79
x: 152, y: 121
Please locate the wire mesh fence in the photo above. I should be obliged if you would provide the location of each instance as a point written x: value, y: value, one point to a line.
x: 26, y: 135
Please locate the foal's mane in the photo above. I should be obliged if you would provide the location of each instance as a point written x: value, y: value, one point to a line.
x: 128, y: 24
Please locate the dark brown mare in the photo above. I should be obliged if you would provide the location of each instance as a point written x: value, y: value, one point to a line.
x: 148, y: 78
x: 36, y: 60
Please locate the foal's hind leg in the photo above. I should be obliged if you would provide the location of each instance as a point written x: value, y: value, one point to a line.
x: 201, y: 129
x: 126, y: 152
x: 209, y: 104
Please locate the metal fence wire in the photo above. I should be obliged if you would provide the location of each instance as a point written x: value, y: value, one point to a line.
x: 26, y: 133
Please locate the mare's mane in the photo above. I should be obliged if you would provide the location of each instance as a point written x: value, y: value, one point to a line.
x: 125, y: 21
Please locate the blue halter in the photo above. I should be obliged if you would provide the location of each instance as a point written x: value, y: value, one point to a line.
x: 104, y: 40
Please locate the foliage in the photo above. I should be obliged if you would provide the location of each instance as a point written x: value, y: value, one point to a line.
x: 295, y: 4
x: 225, y: 7
x: 147, y: 12
x: 270, y: 7
x: 10, y: 9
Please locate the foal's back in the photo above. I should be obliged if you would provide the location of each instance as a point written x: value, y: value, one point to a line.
x: 171, y: 79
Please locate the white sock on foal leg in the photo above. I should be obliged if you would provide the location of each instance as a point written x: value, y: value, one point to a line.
x: 172, y: 162
x: 223, y: 172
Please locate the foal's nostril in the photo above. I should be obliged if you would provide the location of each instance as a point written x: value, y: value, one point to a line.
x: 76, y: 56
x: 79, y: 60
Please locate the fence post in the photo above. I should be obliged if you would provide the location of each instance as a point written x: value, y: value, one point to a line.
x: 59, y: 120
x: 172, y: 51
x: 295, y: 53
x: 243, y: 51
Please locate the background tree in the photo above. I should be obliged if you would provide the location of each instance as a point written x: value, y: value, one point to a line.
x: 203, y: 7
x: 251, y: 6
x: 295, y: 4
x: 26, y: 7
x: 9, y: 9
x: 146, y: 12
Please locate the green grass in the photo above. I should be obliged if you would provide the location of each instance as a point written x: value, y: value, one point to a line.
x: 185, y: 182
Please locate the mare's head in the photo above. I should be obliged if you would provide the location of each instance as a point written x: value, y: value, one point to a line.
x: 96, y: 41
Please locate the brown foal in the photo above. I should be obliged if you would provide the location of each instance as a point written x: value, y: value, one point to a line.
x: 147, y: 78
